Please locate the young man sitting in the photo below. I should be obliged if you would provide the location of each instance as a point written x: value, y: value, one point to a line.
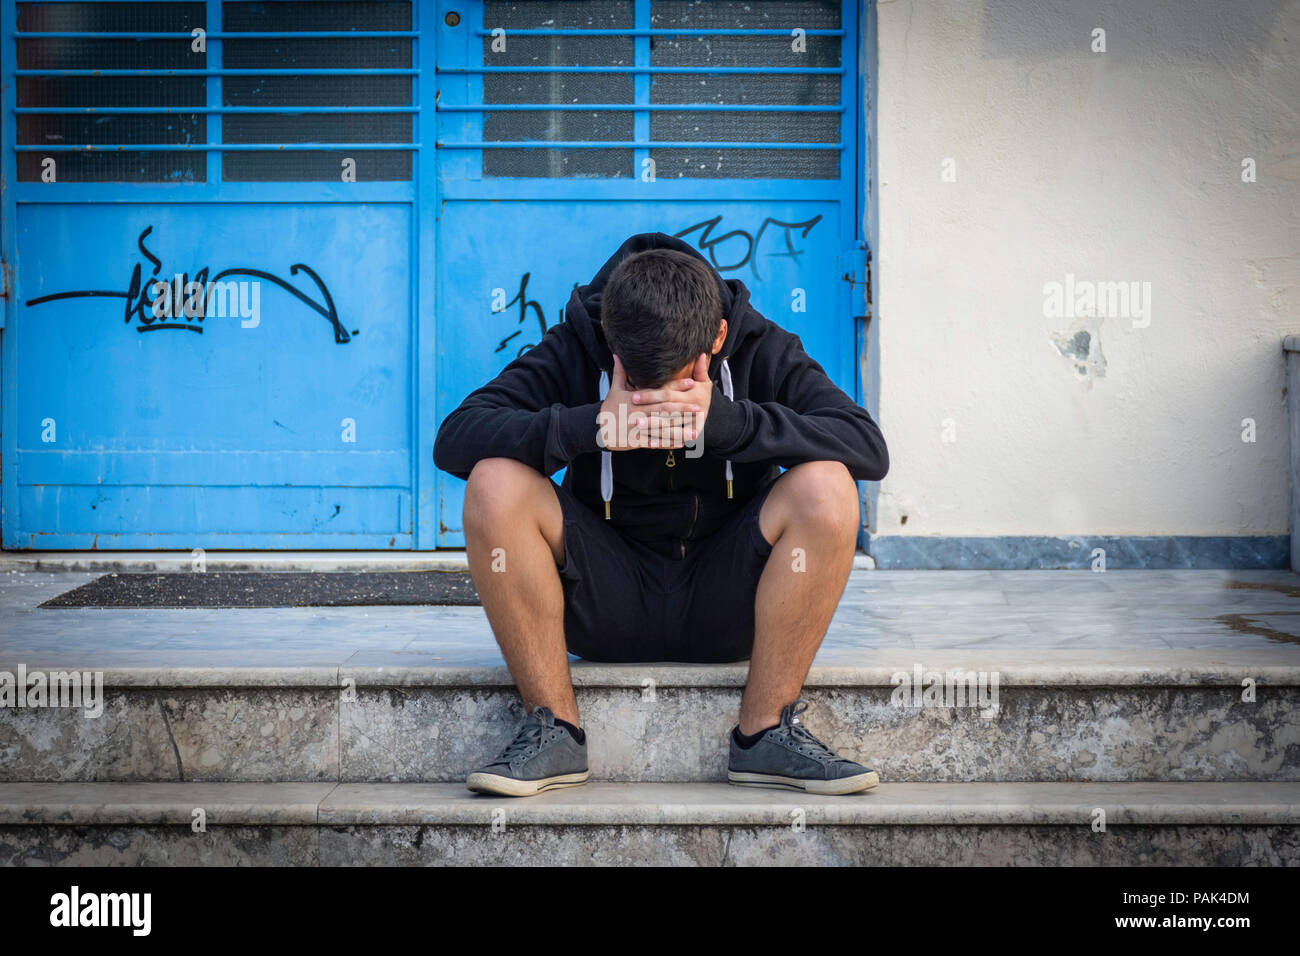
x: 675, y: 535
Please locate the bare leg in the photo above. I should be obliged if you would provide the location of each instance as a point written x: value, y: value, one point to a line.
x: 514, y: 535
x: 811, y: 518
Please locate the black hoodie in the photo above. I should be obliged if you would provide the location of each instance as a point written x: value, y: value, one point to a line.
x: 542, y: 410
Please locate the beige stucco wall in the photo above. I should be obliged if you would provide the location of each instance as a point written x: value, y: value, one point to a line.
x: 1117, y: 166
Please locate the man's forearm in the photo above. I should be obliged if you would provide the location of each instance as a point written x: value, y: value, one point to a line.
x: 546, y: 439
x: 748, y: 431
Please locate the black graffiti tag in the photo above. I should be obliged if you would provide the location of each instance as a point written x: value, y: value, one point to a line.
x: 140, y: 302
x: 525, y: 303
x: 709, y: 243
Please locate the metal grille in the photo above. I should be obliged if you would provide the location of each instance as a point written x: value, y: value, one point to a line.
x: 557, y: 87
x: 348, y: 122
x: 739, y: 163
x: 782, y: 15
x: 118, y: 92
x: 730, y: 65
x: 64, y: 109
x: 768, y: 50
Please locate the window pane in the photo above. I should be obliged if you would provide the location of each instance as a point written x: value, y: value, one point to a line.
x: 558, y: 87
x: 289, y: 91
x: 102, y: 93
x: 782, y: 89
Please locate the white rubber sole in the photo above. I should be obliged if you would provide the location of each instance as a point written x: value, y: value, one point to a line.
x: 855, y: 784
x: 509, y: 787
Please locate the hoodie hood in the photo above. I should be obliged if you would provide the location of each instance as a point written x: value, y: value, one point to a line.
x: 583, y: 311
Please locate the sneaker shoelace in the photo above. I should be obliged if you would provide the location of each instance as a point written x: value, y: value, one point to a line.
x: 805, y: 739
x: 528, y: 739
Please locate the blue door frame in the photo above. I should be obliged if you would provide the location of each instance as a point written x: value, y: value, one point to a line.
x: 238, y: 437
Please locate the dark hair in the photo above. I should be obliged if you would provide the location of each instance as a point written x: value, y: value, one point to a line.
x: 660, y: 309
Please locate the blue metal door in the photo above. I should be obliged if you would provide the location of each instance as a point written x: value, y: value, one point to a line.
x: 565, y: 127
x: 210, y: 216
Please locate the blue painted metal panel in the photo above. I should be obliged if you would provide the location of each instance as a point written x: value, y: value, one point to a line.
x: 526, y: 257
x: 288, y: 425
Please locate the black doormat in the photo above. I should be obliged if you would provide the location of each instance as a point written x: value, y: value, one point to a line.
x: 272, y: 589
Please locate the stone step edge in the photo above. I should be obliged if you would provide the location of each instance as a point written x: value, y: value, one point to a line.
x: 1262, y: 667
x: 322, y: 561
x: 649, y: 804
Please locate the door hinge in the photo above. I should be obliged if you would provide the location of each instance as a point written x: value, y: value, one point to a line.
x: 857, y: 273
x: 5, y: 285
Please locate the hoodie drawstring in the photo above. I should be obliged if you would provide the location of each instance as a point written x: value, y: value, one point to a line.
x: 606, y: 459
x: 729, y: 392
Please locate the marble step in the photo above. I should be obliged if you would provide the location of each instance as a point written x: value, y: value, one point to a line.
x: 1060, y: 716
x: 308, y: 824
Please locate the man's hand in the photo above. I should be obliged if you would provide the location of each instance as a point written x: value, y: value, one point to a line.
x: 693, y: 394
x: 667, y: 417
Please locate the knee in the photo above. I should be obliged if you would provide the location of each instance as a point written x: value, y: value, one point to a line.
x: 496, y: 491
x: 823, y: 497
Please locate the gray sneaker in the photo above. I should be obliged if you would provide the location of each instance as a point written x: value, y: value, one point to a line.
x: 542, y: 756
x: 789, y: 757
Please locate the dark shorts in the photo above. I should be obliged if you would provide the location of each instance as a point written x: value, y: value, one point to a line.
x: 625, y: 603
